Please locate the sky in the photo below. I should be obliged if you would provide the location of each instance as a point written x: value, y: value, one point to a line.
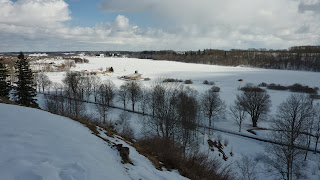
x: 136, y: 25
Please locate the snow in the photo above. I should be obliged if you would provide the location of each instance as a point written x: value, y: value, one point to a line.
x: 38, y: 55
x: 224, y: 77
x: 39, y: 145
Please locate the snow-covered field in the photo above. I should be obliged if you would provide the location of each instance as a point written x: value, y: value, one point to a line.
x: 224, y: 77
x: 37, y: 145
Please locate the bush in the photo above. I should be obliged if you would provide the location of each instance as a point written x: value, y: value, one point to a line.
x: 189, y: 81
x: 147, y: 79
x: 194, y: 165
x: 277, y: 87
x: 300, y: 88
x: 215, y: 89
x: 294, y: 88
x: 208, y: 82
x: 250, y: 87
x: 314, y: 96
x: 263, y: 84
x: 172, y: 80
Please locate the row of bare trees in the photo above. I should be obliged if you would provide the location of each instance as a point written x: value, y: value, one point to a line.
x: 173, y: 112
x: 77, y: 86
x: 165, y: 102
x: 295, y: 124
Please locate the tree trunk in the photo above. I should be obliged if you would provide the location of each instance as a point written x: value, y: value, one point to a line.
x: 209, y: 125
x: 315, y: 149
x: 254, y: 122
x: 307, y: 149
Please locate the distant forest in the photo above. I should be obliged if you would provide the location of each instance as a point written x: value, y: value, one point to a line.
x: 305, y: 58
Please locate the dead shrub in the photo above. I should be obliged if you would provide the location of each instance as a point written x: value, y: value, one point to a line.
x: 314, y: 96
x: 263, y: 84
x: 6, y: 101
x: 277, y: 87
x: 172, y: 80
x: 300, y: 88
x: 215, y: 89
x: 251, y: 88
x: 188, y: 81
x: 208, y: 82
x: 195, y: 165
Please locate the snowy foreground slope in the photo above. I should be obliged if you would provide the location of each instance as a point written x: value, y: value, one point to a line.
x: 39, y: 145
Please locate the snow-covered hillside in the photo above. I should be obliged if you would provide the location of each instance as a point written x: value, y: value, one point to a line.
x: 39, y: 145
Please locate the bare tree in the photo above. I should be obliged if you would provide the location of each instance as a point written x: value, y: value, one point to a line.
x: 95, y: 81
x: 248, y: 168
x: 42, y: 81
x: 123, y: 125
x: 237, y: 113
x: 102, y: 102
x: 57, y: 87
x: 316, y: 126
x: 289, y: 124
x: 144, y: 100
x: 109, y: 91
x: 157, y: 97
x: 87, y: 86
x: 56, y: 104
x: 187, y: 107
x: 74, y: 91
x: 73, y: 82
x: 123, y: 95
x: 37, y: 81
x: 308, y: 131
x: 163, y: 105
x: 212, y: 106
x: 255, y: 101
x: 134, y: 92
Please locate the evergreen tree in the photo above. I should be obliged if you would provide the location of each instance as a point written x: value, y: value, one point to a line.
x: 25, y: 90
x: 4, y: 84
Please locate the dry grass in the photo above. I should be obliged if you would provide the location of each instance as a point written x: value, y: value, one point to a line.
x: 194, y: 165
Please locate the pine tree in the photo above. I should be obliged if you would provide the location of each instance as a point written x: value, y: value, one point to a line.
x: 4, y: 84
x: 25, y: 90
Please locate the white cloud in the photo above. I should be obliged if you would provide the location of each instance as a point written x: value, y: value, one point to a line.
x: 234, y: 23
x: 39, y: 13
x: 30, y: 25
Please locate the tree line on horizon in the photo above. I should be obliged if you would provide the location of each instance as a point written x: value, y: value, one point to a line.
x: 305, y: 58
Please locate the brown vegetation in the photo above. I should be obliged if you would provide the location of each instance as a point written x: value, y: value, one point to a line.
x: 194, y: 165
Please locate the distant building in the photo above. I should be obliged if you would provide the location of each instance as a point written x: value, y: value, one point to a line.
x: 38, y: 55
x: 99, y: 55
x: 108, y: 70
x: 136, y: 75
